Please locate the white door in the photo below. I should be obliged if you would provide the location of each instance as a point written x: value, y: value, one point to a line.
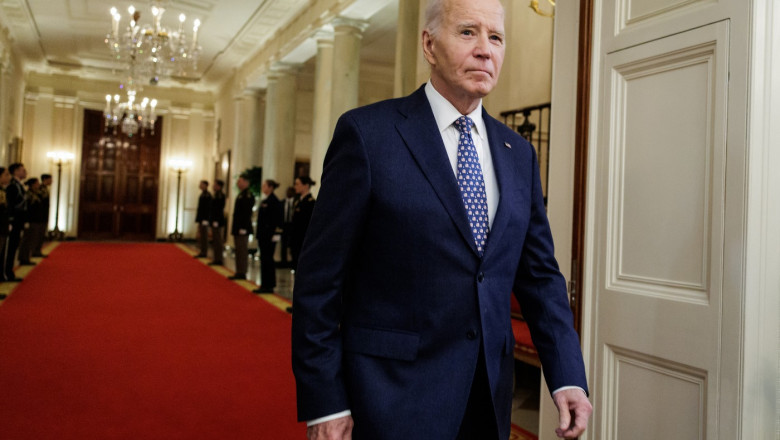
x: 665, y: 219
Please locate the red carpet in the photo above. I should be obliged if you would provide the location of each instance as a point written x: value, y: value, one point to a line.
x: 141, y: 341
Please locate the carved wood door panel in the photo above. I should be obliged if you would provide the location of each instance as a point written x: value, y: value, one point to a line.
x: 119, y: 183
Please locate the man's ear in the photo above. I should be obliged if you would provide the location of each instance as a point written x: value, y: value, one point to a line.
x: 427, y: 46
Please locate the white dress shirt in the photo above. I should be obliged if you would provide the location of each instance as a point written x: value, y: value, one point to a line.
x: 446, y: 115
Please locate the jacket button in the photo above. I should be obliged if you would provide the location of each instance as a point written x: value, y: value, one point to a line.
x: 481, y: 277
x: 471, y: 334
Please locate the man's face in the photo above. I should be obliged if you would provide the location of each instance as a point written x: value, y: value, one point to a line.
x: 242, y: 183
x: 47, y: 181
x: 467, y: 51
x: 5, y: 178
x: 216, y: 187
x: 204, y: 186
x: 21, y: 173
x: 299, y: 187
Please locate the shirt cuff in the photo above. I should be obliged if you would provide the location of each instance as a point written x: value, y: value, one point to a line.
x: 329, y: 418
x: 572, y: 387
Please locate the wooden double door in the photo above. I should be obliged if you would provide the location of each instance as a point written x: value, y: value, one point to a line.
x: 119, y: 182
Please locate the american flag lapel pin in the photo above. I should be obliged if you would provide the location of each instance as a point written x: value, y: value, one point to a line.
x: 506, y: 144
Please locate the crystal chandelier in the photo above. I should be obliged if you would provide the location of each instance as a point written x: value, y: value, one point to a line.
x: 130, y: 117
x: 153, y: 51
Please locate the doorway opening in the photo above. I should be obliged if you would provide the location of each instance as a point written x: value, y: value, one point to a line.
x: 119, y: 182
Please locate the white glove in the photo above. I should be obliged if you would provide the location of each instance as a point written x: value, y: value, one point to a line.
x: 215, y: 224
x: 205, y: 222
x: 276, y: 238
x: 242, y: 232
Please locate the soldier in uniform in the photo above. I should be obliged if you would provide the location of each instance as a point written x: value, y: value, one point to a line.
x: 288, y: 207
x: 269, y: 219
x: 202, y: 218
x: 5, y: 224
x: 242, y: 226
x: 44, y: 215
x: 17, y: 210
x: 35, y: 225
x: 217, y: 221
x: 301, y: 216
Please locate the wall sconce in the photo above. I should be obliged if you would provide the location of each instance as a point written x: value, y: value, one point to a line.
x: 180, y: 166
x: 59, y: 158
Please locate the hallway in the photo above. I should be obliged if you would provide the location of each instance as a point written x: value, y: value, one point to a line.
x: 106, y: 340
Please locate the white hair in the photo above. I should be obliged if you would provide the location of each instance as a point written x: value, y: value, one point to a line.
x: 434, y: 13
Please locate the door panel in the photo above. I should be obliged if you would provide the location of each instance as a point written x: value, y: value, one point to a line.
x: 660, y: 187
x: 119, y: 183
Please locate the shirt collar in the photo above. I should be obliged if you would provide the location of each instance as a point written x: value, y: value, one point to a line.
x: 446, y: 114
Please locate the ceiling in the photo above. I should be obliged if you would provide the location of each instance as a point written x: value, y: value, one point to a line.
x: 67, y: 36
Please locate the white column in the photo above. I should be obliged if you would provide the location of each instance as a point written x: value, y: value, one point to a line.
x: 279, y: 136
x: 258, y: 133
x: 348, y: 34
x: 323, y: 91
x: 407, y: 47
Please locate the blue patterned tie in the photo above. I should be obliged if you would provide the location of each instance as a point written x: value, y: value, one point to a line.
x: 472, y: 184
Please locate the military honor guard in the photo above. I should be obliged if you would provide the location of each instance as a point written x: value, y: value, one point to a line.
x: 269, y: 221
x: 242, y: 227
x: 5, y: 223
x: 45, y: 193
x: 202, y: 218
x: 17, y: 211
x: 217, y: 222
x: 288, y: 208
x: 35, y: 224
x: 301, y: 216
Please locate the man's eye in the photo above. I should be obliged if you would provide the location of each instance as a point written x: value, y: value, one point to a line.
x: 467, y: 32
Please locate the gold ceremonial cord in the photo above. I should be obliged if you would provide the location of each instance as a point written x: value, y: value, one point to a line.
x: 535, y: 6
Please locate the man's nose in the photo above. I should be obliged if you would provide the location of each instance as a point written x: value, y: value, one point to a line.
x: 482, y: 46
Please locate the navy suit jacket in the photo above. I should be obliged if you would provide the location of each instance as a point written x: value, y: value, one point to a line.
x: 392, y: 299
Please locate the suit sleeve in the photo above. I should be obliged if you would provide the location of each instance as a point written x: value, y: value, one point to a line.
x: 323, y: 269
x: 541, y: 290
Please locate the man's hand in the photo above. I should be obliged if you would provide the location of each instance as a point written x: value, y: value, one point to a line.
x: 574, y: 411
x: 336, y: 429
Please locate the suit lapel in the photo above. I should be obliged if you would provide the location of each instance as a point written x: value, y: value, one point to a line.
x: 502, y: 164
x: 421, y: 136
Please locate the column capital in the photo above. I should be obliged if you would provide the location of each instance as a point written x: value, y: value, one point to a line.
x: 323, y: 35
x: 349, y: 25
x: 281, y: 68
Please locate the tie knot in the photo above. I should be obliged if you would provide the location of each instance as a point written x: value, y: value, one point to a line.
x: 463, y: 123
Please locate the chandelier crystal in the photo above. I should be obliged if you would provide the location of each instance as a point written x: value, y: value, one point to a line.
x: 130, y: 117
x: 152, y: 51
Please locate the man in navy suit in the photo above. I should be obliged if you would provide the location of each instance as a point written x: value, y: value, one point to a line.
x: 429, y: 216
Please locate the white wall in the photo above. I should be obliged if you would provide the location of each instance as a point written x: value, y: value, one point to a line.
x: 53, y: 118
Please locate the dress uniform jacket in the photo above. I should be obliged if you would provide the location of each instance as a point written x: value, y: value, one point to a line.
x: 37, y: 211
x: 45, y: 193
x: 17, y: 204
x: 269, y: 218
x: 217, y: 210
x: 204, y: 207
x: 4, y: 217
x: 242, y: 213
